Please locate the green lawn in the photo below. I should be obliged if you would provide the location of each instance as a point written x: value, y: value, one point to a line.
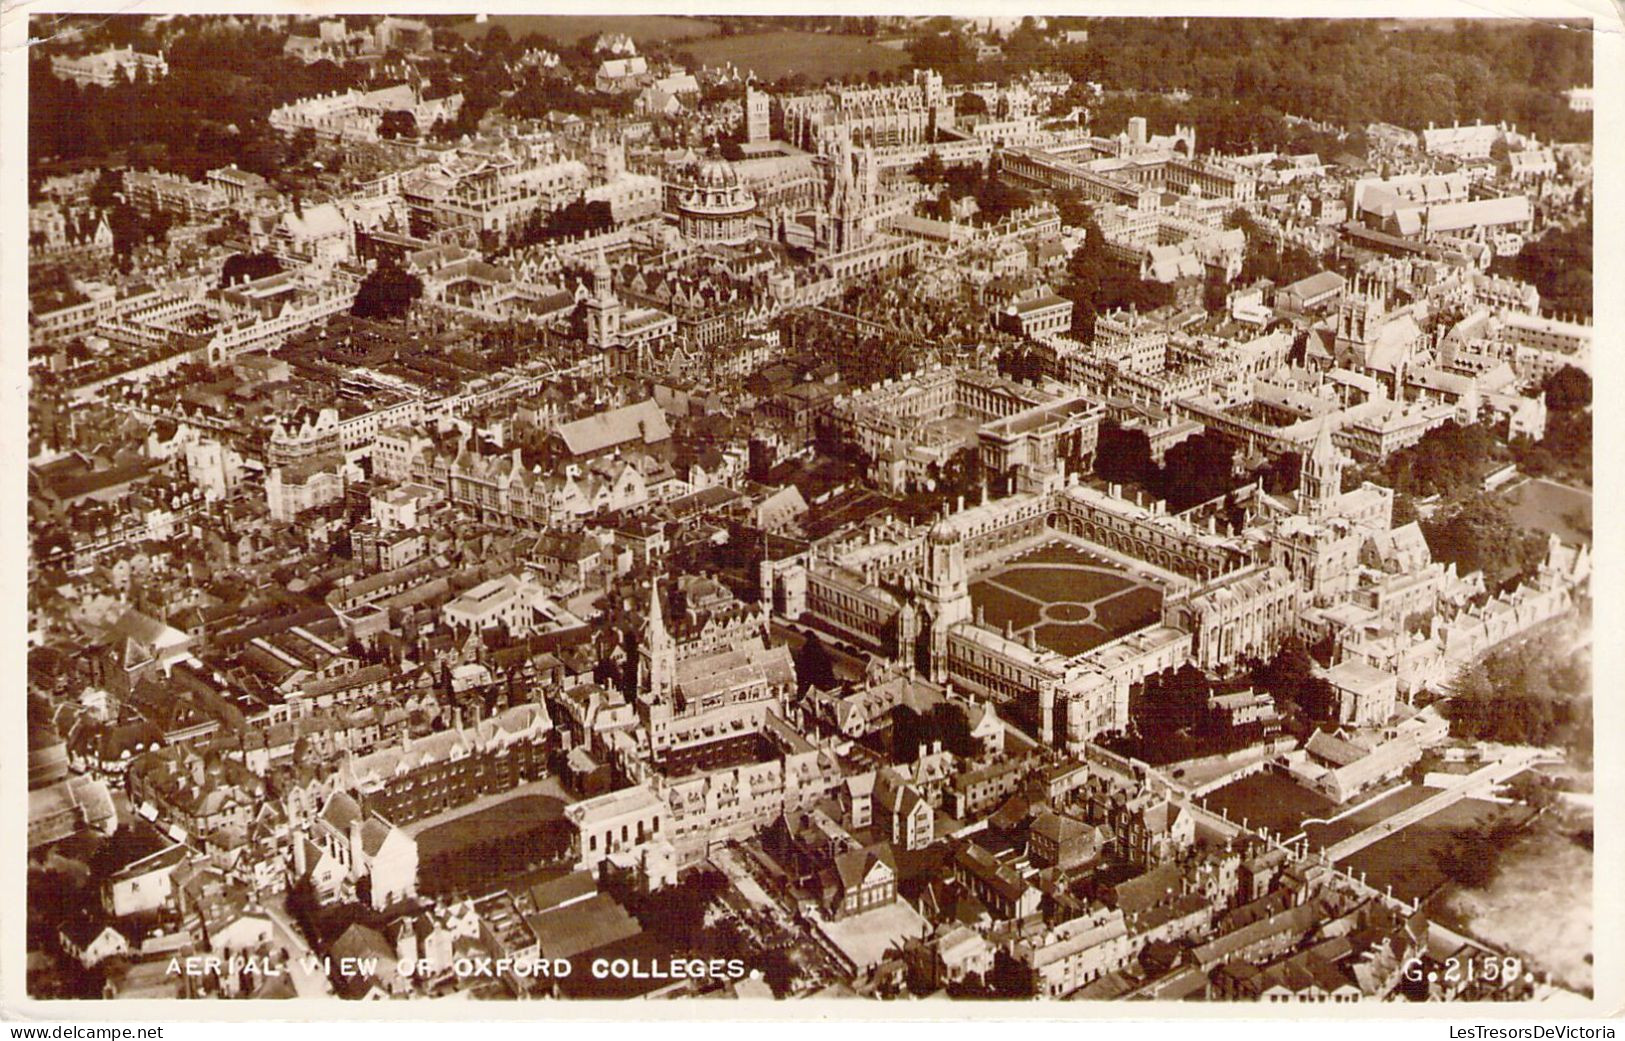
x: 1108, y: 603
x: 1547, y: 506
x: 1270, y: 800
x: 1323, y: 835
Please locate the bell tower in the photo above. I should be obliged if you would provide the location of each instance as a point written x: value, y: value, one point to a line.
x: 603, y: 307
x: 946, y: 596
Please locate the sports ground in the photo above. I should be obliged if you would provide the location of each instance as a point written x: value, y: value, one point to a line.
x: 1068, y: 599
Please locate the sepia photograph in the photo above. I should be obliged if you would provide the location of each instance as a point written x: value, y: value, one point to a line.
x: 1004, y: 508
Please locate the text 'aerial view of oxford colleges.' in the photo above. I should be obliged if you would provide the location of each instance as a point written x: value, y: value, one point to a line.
x: 536, y: 507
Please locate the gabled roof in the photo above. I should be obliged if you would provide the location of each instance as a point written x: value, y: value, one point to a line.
x: 341, y: 811
x: 643, y: 422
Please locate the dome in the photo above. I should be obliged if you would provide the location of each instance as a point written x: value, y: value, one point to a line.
x: 717, y: 173
x: 943, y: 533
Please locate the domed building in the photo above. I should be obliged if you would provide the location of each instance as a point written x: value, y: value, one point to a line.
x: 715, y: 207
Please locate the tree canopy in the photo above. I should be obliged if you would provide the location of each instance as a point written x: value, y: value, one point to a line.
x: 387, y: 292
x: 1480, y: 535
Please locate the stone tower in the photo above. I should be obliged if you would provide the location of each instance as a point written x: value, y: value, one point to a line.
x: 603, y: 307
x: 946, y: 593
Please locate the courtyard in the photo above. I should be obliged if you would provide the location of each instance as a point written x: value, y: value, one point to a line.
x: 1068, y: 599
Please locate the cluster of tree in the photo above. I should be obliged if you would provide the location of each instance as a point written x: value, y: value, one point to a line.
x: 1173, y: 719
x: 1496, y: 71
x: 912, y: 731
x: 388, y: 291
x: 994, y: 199
x: 209, y: 111
x: 1558, y: 263
x: 1197, y: 470
x: 132, y: 229
x: 1472, y: 856
x: 1170, y: 702
x: 1479, y: 534
x: 1564, y: 453
x: 814, y: 666
x: 540, y: 95
x: 1221, y: 123
x: 861, y: 358
x: 941, y: 46
x: 1282, y: 474
x: 1449, y: 461
x: 1533, y: 693
x: 1567, y: 390
x: 397, y: 123
x: 571, y: 221
x: 247, y: 267
x: 678, y: 912
x: 1290, y: 677
x: 960, y: 477
x: 1009, y: 978
x: 1096, y: 283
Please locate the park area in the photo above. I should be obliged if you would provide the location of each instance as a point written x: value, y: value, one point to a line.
x: 568, y: 28
x: 1068, y: 599
x: 1553, y: 508
x: 818, y: 56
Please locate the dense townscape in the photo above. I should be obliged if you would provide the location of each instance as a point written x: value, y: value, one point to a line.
x: 588, y: 507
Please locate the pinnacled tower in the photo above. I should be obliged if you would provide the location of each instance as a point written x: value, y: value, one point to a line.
x: 854, y: 187
x: 1361, y: 312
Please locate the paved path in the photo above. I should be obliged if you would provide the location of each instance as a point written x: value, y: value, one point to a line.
x: 740, y: 875
x: 1479, y: 782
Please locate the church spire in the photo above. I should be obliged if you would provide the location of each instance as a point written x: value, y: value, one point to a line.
x: 1320, y: 477
x: 657, y: 653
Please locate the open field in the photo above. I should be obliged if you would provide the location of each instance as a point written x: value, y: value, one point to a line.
x: 1271, y: 800
x: 1547, y: 506
x: 817, y: 56
x: 568, y: 28
x: 1407, y: 860
x: 1069, y: 599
